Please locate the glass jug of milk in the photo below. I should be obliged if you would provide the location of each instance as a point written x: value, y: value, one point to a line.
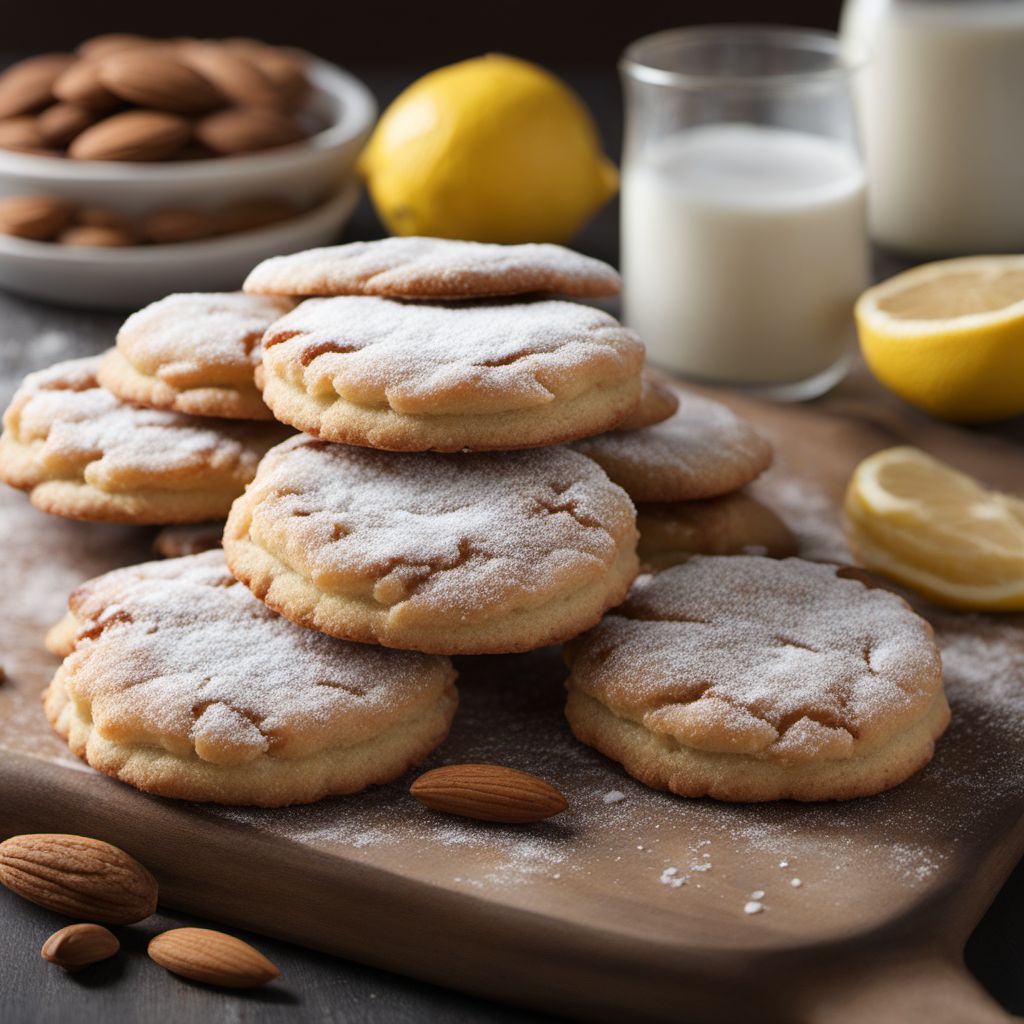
x: 941, y: 104
x: 744, y: 240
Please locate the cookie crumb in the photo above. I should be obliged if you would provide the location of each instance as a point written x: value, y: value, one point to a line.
x: 757, y: 894
x: 613, y: 796
x: 671, y: 876
x: 753, y: 907
x: 783, y: 863
x: 795, y: 882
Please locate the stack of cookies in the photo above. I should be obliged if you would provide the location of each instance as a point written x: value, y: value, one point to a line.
x: 462, y: 479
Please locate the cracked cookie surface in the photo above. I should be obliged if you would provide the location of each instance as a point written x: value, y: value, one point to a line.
x: 434, y: 268
x: 417, y: 377
x: 453, y: 554
x: 83, y: 453
x: 194, y: 353
x: 745, y: 678
x: 180, y: 682
x: 703, y: 450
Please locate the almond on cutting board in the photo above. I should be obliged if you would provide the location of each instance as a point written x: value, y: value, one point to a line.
x: 78, y: 877
x: 488, y: 792
x: 160, y: 81
x: 37, y: 217
x: 79, y: 945
x: 59, y: 124
x: 247, y: 130
x: 203, y: 954
x: 80, y: 84
x: 28, y: 85
x: 134, y: 135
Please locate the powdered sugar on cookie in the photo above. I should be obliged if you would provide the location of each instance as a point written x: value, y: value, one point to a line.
x: 781, y: 659
x: 443, y: 360
x: 178, y: 654
x: 434, y: 268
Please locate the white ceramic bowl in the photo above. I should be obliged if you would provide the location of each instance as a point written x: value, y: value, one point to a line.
x: 129, y: 277
x: 317, y: 170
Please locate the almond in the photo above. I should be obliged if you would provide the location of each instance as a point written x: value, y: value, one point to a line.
x: 159, y: 80
x: 78, y: 877
x: 80, y: 84
x: 213, y: 957
x: 98, y: 237
x: 21, y: 133
x: 488, y: 792
x: 285, y: 68
x: 38, y: 217
x: 137, y: 135
x: 166, y: 226
x: 59, y: 124
x: 255, y: 213
x: 28, y: 85
x: 112, y: 42
x: 101, y: 217
x: 235, y: 75
x: 246, y: 130
x: 79, y: 945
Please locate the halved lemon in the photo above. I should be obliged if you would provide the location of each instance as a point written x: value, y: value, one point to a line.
x: 949, y: 336
x: 924, y: 524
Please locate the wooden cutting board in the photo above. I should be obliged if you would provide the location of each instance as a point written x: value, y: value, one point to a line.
x: 578, y: 915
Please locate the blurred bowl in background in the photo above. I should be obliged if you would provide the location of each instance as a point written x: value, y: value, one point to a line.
x: 128, y: 277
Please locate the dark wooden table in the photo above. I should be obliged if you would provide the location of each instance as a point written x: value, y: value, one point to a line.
x: 313, y: 987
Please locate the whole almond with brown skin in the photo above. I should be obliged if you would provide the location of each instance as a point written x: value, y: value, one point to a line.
x: 95, y: 237
x: 112, y: 42
x: 28, y: 85
x: 234, y: 74
x: 101, y: 217
x: 135, y: 135
x: 246, y: 130
x: 21, y: 133
x: 38, y: 217
x: 160, y: 81
x: 78, y: 877
x: 79, y: 945
x: 488, y: 792
x: 80, y: 84
x: 169, y: 226
x: 213, y: 957
x: 59, y: 124
x: 285, y: 68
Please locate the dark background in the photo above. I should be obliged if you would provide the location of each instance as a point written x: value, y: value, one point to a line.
x: 417, y: 35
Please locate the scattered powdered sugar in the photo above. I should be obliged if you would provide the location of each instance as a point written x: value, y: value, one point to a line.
x: 761, y: 655
x: 432, y: 359
x: 177, y: 652
x: 753, y: 907
x: 77, y: 423
x: 613, y: 796
x: 702, y: 451
x: 187, y: 335
x: 671, y: 877
x: 461, y: 533
x: 416, y: 267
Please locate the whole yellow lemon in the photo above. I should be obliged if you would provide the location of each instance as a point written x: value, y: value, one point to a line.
x: 492, y: 149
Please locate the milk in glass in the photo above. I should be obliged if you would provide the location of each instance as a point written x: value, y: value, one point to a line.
x: 743, y: 250
x: 941, y: 108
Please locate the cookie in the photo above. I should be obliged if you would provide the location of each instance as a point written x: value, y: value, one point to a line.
x: 449, y: 554
x: 704, y: 450
x: 481, y: 376
x: 181, y: 683
x: 192, y: 539
x: 731, y: 525
x: 434, y: 268
x: 194, y: 353
x: 749, y: 679
x: 658, y: 401
x: 81, y: 452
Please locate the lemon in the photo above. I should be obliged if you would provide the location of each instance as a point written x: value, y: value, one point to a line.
x: 949, y: 337
x: 935, y: 530
x: 492, y: 149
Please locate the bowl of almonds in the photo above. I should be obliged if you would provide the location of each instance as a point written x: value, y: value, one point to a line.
x: 232, y: 148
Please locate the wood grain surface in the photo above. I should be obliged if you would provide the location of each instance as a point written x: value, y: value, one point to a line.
x: 571, y: 916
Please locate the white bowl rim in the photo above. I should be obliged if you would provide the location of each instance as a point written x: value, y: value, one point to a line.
x: 358, y: 112
x: 339, y: 205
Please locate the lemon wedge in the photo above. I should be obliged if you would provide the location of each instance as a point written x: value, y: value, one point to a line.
x: 920, y: 522
x: 948, y: 337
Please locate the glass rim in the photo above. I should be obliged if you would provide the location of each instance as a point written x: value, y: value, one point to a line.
x: 845, y: 58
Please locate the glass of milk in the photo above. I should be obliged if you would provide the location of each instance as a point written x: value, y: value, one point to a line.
x: 744, y: 238
x: 941, y: 102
